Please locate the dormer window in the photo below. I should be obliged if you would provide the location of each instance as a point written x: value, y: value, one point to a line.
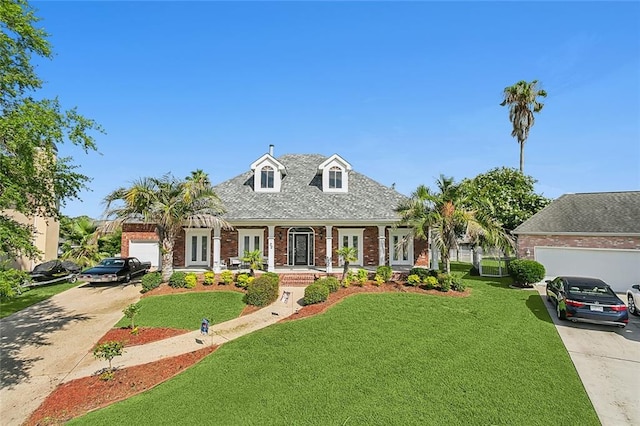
x: 267, y: 176
x: 335, y: 178
x: 335, y: 174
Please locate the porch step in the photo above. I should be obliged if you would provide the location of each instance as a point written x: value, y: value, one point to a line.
x: 298, y: 279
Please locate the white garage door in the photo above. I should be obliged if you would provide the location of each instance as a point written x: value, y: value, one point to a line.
x: 618, y: 268
x: 146, y: 251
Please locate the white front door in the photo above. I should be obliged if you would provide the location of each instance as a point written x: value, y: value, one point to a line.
x: 198, y: 243
x: 351, y: 237
x: 400, y: 247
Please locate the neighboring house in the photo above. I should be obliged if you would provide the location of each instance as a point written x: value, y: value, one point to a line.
x: 297, y: 210
x: 591, y: 234
x: 45, y: 238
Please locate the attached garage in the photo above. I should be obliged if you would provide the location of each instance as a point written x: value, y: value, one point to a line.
x: 618, y: 268
x: 592, y: 234
x: 146, y: 251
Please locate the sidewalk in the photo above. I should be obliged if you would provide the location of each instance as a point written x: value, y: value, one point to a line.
x: 192, y: 341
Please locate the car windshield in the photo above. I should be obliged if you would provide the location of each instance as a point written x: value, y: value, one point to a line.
x: 112, y: 262
x: 591, y: 290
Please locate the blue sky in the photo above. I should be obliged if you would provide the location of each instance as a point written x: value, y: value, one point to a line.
x: 403, y: 91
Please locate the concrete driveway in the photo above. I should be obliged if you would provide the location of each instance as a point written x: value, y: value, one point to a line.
x: 608, y: 362
x: 42, y: 344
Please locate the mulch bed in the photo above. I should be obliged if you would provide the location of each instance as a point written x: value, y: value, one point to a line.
x: 77, y: 397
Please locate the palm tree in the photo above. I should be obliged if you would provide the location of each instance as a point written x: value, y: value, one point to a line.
x: 348, y: 255
x: 81, y: 241
x: 254, y: 259
x: 445, y: 216
x: 523, y: 102
x: 170, y: 204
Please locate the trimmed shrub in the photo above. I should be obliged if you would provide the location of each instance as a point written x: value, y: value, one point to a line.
x: 316, y: 293
x: 362, y: 277
x: 349, y: 278
x: 209, y: 278
x: 226, y: 277
x: 378, y: 280
x: 262, y: 291
x: 444, y: 281
x: 190, y: 280
x: 330, y: 282
x: 413, y: 280
x: 384, y: 272
x: 422, y: 273
x: 430, y: 283
x: 178, y: 279
x: 457, y: 284
x: 526, y: 272
x: 243, y: 280
x: 151, y: 281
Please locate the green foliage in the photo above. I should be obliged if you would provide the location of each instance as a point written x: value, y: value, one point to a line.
x: 110, y: 244
x: 11, y: 281
x: 226, y: 277
x: 150, y: 281
x: 209, y: 278
x: 190, y: 280
x: 384, y: 272
x: 526, y: 272
x: 457, y: 284
x: 262, y: 291
x: 362, y: 276
x: 81, y: 236
x: 430, y: 282
x: 178, y: 279
x: 413, y: 280
x: 349, y: 278
x: 131, y: 311
x: 378, y: 280
x: 330, y: 282
x: 315, y: 293
x: 243, y: 280
x: 254, y: 259
x: 423, y: 273
x: 108, y: 351
x: 348, y: 255
x: 510, y: 195
x: 34, y: 182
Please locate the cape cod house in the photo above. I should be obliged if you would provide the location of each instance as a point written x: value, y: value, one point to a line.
x: 297, y: 210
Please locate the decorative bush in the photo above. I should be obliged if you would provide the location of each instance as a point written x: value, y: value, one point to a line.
x: 315, y: 293
x: 151, y: 281
x: 243, y: 280
x: 178, y: 279
x: 423, y: 273
x: 362, y: 277
x: 445, y: 280
x: 526, y: 272
x: 262, y: 291
x: 209, y: 278
x: 190, y: 280
x: 413, y: 280
x: 384, y: 272
x: 378, y: 280
x: 226, y: 277
x: 457, y: 284
x: 430, y: 283
x: 349, y: 278
x: 330, y: 282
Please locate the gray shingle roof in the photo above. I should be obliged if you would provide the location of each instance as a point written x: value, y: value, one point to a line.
x: 301, y: 197
x: 589, y: 213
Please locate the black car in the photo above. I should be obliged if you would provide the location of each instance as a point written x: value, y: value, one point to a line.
x: 587, y: 300
x: 115, y: 270
x: 54, y: 270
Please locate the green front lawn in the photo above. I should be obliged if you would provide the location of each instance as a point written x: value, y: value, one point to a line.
x: 33, y: 296
x: 186, y: 310
x: 396, y: 358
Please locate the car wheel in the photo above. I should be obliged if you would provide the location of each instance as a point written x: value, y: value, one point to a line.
x: 562, y: 315
x: 127, y: 278
x: 632, y: 305
x: 73, y: 279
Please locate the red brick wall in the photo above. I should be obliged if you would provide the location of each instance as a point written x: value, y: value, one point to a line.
x: 530, y: 241
x: 420, y: 252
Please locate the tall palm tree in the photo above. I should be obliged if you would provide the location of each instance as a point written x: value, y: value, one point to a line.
x: 169, y: 204
x: 445, y: 216
x: 81, y: 241
x: 522, y: 99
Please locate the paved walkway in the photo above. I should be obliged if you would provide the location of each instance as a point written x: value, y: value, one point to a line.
x: 50, y: 343
x: 192, y: 341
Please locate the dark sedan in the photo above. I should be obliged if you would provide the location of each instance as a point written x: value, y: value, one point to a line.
x: 586, y: 300
x: 115, y: 269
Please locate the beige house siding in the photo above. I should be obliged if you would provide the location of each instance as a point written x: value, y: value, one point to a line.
x: 45, y: 238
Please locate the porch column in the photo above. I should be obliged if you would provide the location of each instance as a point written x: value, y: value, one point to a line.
x: 382, y: 255
x: 271, y: 244
x: 329, y: 248
x: 217, y: 267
